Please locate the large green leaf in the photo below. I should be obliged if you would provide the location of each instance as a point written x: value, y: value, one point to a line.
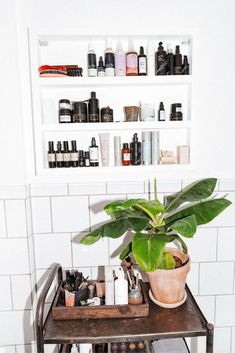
x: 93, y: 236
x: 204, y: 211
x: 116, y: 228
x: 126, y: 251
x: 167, y: 262
x: 152, y: 208
x: 118, y: 206
x: 198, y: 190
x: 186, y: 226
x: 147, y: 250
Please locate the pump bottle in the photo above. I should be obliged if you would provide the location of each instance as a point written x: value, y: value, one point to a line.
x: 93, y: 109
x: 109, y: 59
x: 101, y: 69
x: 91, y: 61
x: 131, y: 60
x: 121, y: 288
x: 185, y: 66
x: 170, y: 60
x: 177, y: 61
x: 120, y: 61
x: 160, y: 61
x: 135, y: 148
x: 94, y: 153
x: 142, y: 63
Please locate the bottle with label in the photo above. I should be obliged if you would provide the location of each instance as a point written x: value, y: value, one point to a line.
x: 109, y: 59
x: 142, y: 63
x: 170, y: 60
x: 81, y: 158
x: 51, y: 155
x: 146, y: 147
x: 177, y: 61
x: 117, y: 151
x: 66, y: 154
x: 91, y: 61
x: 109, y: 285
x: 126, y: 154
x: 120, y: 61
x: 131, y: 60
x: 74, y: 154
x: 151, y: 59
x: 135, y: 149
x: 94, y: 153
x: 101, y: 69
x: 155, y: 147
x: 87, y: 159
x: 160, y: 61
x: 59, y: 156
x: 185, y: 66
x: 65, y: 116
x: 93, y: 109
x: 121, y: 288
x: 161, y: 112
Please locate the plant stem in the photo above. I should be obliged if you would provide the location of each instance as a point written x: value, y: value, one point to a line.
x: 155, y: 188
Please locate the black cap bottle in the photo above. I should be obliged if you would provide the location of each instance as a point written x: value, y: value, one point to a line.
x: 91, y: 61
x: 94, y: 153
x: 185, y: 66
x: 101, y: 70
x: 142, y: 63
x: 74, y: 154
x: 177, y: 61
x: 66, y: 154
x: 170, y: 60
x: 87, y: 159
x: 161, y: 112
x: 93, y: 108
x: 81, y: 158
x: 160, y: 61
x: 135, y: 148
x: 59, y: 156
x: 51, y: 155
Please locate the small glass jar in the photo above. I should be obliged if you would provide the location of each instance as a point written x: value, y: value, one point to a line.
x: 106, y: 115
x: 135, y: 296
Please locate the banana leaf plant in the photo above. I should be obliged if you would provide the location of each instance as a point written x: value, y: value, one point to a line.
x: 155, y: 224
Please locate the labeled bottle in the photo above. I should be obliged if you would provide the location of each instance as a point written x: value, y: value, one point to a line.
x: 185, y: 66
x: 91, y: 61
x: 161, y: 112
x: 177, y: 61
x: 121, y: 288
x: 81, y: 158
x: 126, y: 154
x: 65, y: 104
x: 170, y: 60
x: 131, y: 60
x: 151, y: 59
x: 101, y: 69
x: 59, y: 156
x: 135, y: 149
x: 94, y: 153
x: 66, y: 154
x: 146, y: 147
x: 120, y: 61
x: 142, y: 63
x: 79, y: 112
x: 51, y: 157
x: 155, y: 152
x: 74, y: 154
x: 160, y: 61
x: 117, y: 151
x: 65, y: 116
x: 109, y: 59
x: 93, y: 109
x: 109, y: 285
x: 87, y: 159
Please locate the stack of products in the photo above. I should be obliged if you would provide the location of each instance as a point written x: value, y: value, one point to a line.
x: 59, y: 70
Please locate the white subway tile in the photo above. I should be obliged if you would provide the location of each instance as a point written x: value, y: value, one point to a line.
x: 222, y: 339
x: 41, y: 213
x: 97, y: 273
x: 227, y: 185
x: 116, y: 246
x: 14, y: 257
x: 49, y: 189
x: 21, y: 292
x: 226, y: 218
x: 87, y: 188
x: 5, y: 293
x: 233, y: 340
x: 16, y: 218
x: 41, y: 277
x: 26, y: 348
x: 216, y: 278
x: 2, y: 220
x: 50, y: 248
x: 138, y: 196
x: 224, y: 310
x: 202, y: 247
x: 207, y: 306
x: 8, y: 349
x: 29, y: 223
x: 192, y: 278
x: 70, y: 213
x: 163, y: 186
x: 90, y: 255
x: 16, y: 327
x: 51, y: 348
x: 97, y: 203
x: 226, y: 244
x: 132, y: 187
x: 12, y: 192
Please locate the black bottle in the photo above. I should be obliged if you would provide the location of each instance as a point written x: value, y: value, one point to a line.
x: 66, y: 154
x: 93, y: 109
x: 91, y: 61
x: 161, y: 112
x: 160, y: 61
x: 101, y: 70
x: 170, y: 60
x: 59, y: 156
x: 94, y: 153
x: 87, y: 159
x: 81, y: 159
x: 135, y: 148
x: 74, y: 154
x: 177, y: 61
x: 51, y: 155
x: 142, y: 63
x: 185, y: 66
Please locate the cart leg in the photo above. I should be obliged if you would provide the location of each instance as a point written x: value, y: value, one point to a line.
x: 209, y: 338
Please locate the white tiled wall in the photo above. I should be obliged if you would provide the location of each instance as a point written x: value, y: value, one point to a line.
x: 47, y: 225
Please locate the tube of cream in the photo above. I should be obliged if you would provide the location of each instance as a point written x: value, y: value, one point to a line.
x: 104, y: 147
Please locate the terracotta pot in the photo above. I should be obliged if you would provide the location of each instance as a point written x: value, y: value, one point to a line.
x: 168, y: 286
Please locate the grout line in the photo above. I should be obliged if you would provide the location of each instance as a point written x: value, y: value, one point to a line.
x: 217, y: 245
x: 198, y: 285
x: 71, y: 249
x: 26, y: 223
x: 51, y: 217
x: 89, y: 212
x: 106, y: 188
x: 5, y: 216
x: 67, y: 190
x: 12, y: 304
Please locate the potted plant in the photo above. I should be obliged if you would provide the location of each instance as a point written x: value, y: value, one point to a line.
x: 154, y: 225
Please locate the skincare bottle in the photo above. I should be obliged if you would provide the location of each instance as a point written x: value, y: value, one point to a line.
x: 135, y: 149
x: 59, y: 156
x: 51, y: 155
x: 131, y: 60
x: 142, y: 63
x: 109, y: 59
x: 126, y: 154
x: 66, y: 154
x: 104, y: 147
x: 87, y: 159
x: 177, y: 61
x: 185, y: 66
x: 151, y: 59
x: 94, y: 153
x: 93, y: 108
x: 161, y: 112
x: 146, y: 147
x: 109, y: 285
x: 74, y: 154
x: 155, y: 139
x: 91, y: 61
x: 101, y: 69
x: 120, y: 61
x: 121, y: 288
x: 117, y: 151
x: 160, y: 61
x: 170, y: 60
x: 81, y: 158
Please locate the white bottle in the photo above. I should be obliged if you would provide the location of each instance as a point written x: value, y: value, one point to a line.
x: 117, y: 151
x: 91, y: 61
x: 109, y: 59
x: 120, y: 61
x: 74, y: 349
x: 151, y: 59
x: 109, y: 285
x: 121, y: 288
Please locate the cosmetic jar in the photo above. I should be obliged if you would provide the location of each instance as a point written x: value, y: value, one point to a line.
x: 147, y: 112
x: 176, y: 112
x: 131, y: 113
x: 65, y: 116
x: 106, y: 115
x: 65, y: 104
x: 79, y: 112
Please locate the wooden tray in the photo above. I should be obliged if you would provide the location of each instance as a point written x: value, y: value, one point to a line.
x: 61, y: 312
